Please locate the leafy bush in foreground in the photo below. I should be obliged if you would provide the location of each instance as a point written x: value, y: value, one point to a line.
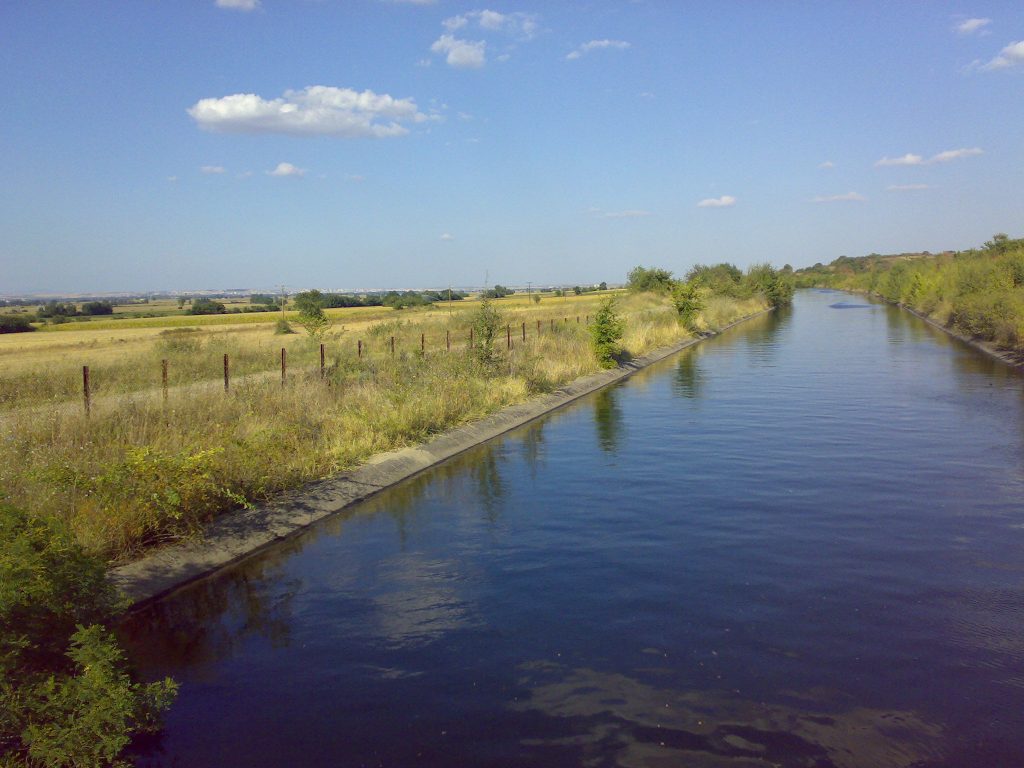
x: 66, y: 698
x: 606, y: 333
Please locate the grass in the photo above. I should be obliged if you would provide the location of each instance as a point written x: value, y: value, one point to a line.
x: 142, y: 471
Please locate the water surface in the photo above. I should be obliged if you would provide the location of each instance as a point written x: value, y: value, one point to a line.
x: 800, y: 543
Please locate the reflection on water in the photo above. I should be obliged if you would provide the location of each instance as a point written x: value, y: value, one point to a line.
x: 607, y: 419
x: 630, y: 723
x: 797, y: 544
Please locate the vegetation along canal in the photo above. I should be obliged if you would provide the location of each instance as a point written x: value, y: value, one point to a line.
x: 796, y: 544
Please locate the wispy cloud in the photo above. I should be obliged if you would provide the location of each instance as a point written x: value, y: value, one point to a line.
x: 211, y: 169
x: 828, y: 164
x: 459, y: 53
x: 172, y: 179
x: 239, y: 5
x: 846, y: 197
x: 598, y: 45
x: 1011, y: 56
x: 447, y: 236
x: 287, y: 169
x: 972, y: 26
x: 317, y: 110
x: 519, y: 25
x: 906, y: 187
x: 725, y: 201
x: 942, y: 157
x: 630, y: 213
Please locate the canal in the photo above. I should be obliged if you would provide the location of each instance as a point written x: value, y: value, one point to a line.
x: 800, y: 543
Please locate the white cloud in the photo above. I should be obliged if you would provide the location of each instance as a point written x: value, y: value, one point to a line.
x: 724, y: 201
x: 597, y: 45
x: 1011, y: 56
x: 212, y: 169
x: 287, y: 169
x: 907, y: 159
x: 628, y: 214
x: 239, y: 5
x: 447, y: 236
x: 849, y: 196
x: 955, y: 154
x: 906, y: 187
x: 971, y: 26
x: 942, y: 157
x: 521, y: 25
x: 827, y: 165
x: 461, y: 54
x: 172, y: 179
x: 317, y: 110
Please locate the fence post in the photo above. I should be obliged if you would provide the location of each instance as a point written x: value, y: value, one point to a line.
x: 508, y: 337
x: 359, y: 350
x: 588, y: 319
x: 284, y: 365
x: 524, y: 331
x: 85, y: 390
x: 392, y: 346
x: 577, y: 319
x: 448, y: 340
x: 538, y: 327
x: 323, y: 367
x: 423, y: 342
x: 226, y: 375
x: 552, y: 323
x: 163, y: 376
x: 470, y: 338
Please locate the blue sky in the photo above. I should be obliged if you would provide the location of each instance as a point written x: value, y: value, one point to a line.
x: 366, y: 143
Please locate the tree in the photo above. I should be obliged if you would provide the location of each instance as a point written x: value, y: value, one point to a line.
x: 536, y: 298
x: 97, y: 308
x: 15, y: 324
x: 603, y: 286
x: 311, y: 314
x: 642, y: 279
x: 207, y: 307
x: 577, y: 290
x: 606, y: 333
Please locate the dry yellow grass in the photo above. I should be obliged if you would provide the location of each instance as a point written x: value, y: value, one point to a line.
x: 141, y: 470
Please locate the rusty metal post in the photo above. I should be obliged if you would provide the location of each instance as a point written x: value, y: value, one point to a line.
x: 538, y: 327
x: 284, y: 365
x: 448, y: 340
x: 577, y: 319
x: 552, y: 323
x: 359, y: 350
x: 227, y: 378
x: 323, y: 361
x: 524, y: 331
x: 508, y: 337
x: 86, y: 394
x: 392, y: 346
x: 423, y: 342
x: 470, y: 338
x: 163, y: 376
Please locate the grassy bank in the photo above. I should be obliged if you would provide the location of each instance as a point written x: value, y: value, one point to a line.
x: 141, y: 471
x: 977, y: 293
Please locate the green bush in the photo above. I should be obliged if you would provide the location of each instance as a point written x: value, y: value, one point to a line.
x: 15, y: 324
x: 66, y: 697
x: 688, y: 299
x: 487, y: 323
x: 606, y: 332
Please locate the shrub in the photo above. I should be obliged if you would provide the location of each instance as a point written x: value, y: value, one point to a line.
x: 486, y: 323
x: 311, y: 314
x: 66, y: 697
x: 688, y: 299
x: 15, y: 324
x: 207, y: 307
x: 606, y: 332
x: 282, y: 326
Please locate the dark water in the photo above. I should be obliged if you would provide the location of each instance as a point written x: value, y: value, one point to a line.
x: 798, y: 544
